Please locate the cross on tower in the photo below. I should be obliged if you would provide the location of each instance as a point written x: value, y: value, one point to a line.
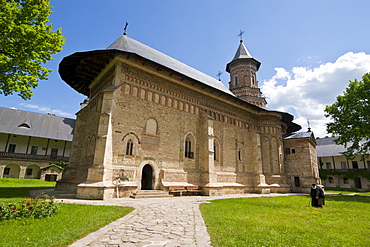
x: 241, y: 35
x: 219, y: 75
x: 124, y: 29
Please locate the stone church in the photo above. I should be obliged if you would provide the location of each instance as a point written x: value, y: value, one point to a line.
x: 154, y: 123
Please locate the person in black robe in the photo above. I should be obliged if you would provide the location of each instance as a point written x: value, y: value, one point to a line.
x: 313, y: 194
x: 320, y: 196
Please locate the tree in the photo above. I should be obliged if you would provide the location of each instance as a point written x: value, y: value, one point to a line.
x: 27, y: 41
x: 351, y: 118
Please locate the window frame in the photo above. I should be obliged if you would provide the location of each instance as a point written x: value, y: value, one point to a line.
x: 11, y: 148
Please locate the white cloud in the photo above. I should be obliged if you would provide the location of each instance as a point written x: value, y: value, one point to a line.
x: 45, y: 109
x: 306, y: 91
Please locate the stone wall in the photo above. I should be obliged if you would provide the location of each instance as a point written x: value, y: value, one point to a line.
x: 141, y: 118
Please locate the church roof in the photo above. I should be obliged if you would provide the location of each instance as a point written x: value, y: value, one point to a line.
x: 127, y: 44
x: 242, y: 53
x: 300, y: 135
x: 71, y: 71
x: 18, y: 122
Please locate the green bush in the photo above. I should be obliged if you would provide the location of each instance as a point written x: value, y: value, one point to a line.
x: 41, y: 206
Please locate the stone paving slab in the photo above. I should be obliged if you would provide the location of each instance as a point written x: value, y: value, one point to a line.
x: 156, y: 222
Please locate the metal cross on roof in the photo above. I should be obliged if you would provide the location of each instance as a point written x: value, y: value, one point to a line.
x: 219, y: 75
x: 124, y: 29
x: 241, y: 35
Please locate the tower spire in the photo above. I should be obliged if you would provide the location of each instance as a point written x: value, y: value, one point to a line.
x: 243, y: 76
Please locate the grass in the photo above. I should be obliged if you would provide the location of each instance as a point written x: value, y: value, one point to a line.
x: 72, y: 222
x: 18, y: 188
x: 288, y: 221
x: 346, y: 191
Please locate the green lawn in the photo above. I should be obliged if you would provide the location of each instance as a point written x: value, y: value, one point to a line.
x: 288, y: 221
x: 346, y: 191
x: 71, y: 223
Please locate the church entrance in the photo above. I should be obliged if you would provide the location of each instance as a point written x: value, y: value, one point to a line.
x: 147, y: 178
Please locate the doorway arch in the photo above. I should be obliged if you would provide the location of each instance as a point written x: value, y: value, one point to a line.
x: 147, y: 177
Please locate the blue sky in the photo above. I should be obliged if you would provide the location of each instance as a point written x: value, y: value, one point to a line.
x: 309, y: 50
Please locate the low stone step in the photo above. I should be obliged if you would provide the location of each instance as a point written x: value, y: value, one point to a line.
x: 150, y: 194
x: 66, y: 196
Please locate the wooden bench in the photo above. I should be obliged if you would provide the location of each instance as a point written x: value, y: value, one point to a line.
x: 193, y: 190
x: 176, y: 190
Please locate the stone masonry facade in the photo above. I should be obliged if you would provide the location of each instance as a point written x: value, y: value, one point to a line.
x: 154, y: 129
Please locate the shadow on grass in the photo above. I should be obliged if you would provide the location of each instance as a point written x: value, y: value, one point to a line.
x: 348, y: 198
x: 14, y: 192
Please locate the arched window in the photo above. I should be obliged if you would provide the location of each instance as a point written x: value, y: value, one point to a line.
x: 188, y: 152
x: 189, y: 146
x: 253, y: 79
x: 129, y: 147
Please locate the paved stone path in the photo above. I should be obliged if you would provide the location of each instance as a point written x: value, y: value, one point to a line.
x: 157, y: 222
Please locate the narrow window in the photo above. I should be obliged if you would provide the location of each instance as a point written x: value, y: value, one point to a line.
x: 354, y: 164
x: 29, y: 172
x: 34, y: 150
x: 239, y: 155
x: 129, y: 147
x: 236, y: 80
x: 7, y: 171
x: 253, y: 80
x: 214, y: 152
x: 11, y: 148
x: 297, y: 183
x: 188, y: 150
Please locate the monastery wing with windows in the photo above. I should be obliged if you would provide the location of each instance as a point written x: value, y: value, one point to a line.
x: 30, y: 141
x: 152, y: 123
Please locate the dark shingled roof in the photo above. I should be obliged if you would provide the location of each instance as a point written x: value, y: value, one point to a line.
x: 33, y: 124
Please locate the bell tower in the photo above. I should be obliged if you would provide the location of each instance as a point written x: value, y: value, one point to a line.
x: 243, y: 77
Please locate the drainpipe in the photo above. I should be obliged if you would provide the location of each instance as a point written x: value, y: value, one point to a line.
x: 47, y: 147
x: 332, y: 157
x: 28, y: 144
x: 64, y: 148
x: 7, y: 143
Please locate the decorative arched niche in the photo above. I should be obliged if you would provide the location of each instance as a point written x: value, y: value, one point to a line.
x: 151, y: 126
